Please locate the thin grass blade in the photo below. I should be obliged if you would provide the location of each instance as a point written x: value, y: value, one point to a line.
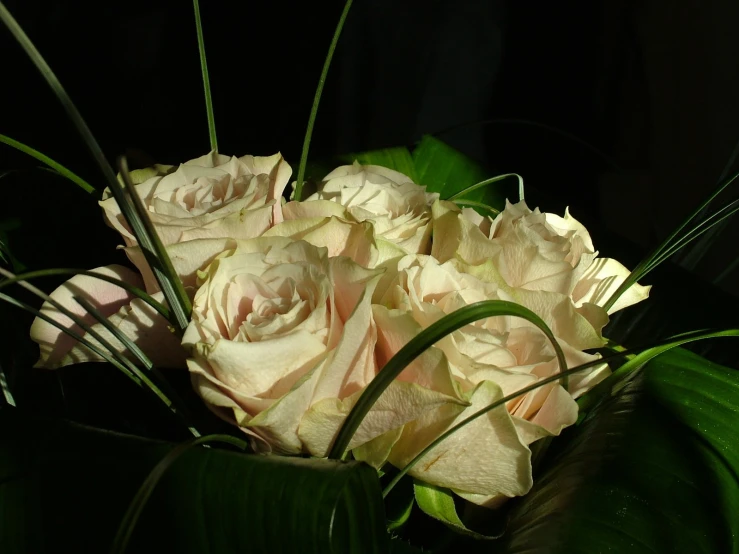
x: 648, y: 262
x: 424, y: 340
x: 74, y: 115
x: 76, y: 336
x: 7, y: 394
x: 206, y: 79
x: 137, y: 292
x: 487, y: 182
x: 56, y: 166
x: 172, y: 286
x: 642, y: 357
x: 479, y: 206
x: 160, y: 386
x: 618, y: 379
x: 721, y: 216
x: 317, y: 101
x: 122, y: 360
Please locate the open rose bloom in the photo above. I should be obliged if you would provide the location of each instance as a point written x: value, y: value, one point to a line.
x: 297, y: 306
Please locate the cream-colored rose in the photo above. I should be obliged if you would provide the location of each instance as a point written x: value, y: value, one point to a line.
x: 399, y: 209
x: 133, y: 317
x: 282, y: 340
x: 534, y: 251
x: 211, y: 197
x: 487, y: 360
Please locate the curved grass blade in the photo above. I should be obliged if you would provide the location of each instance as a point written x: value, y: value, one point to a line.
x: 424, y: 340
x: 317, y: 100
x: 620, y: 377
x: 647, y: 264
x: 692, y: 257
x: 122, y: 360
x: 161, y: 387
x: 131, y: 346
x: 167, y: 281
x: 704, y: 226
x: 56, y: 166
x: 487, y: 182
x: 128, y: 523
x: 76, y: 336
x: 647, y: 355
x: 654, y: 469
x: 206, y: 79
x: 479, y: 207
x: 137, y: 292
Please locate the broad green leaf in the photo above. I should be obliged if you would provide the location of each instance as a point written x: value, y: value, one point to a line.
x: 399, y: 504
x: 398, y: 158
x: 447, y: 171
x: 439, y: 504
x: 654, y: 469
x: 64, y: 488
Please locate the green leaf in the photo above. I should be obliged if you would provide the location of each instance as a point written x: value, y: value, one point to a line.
x: 398, y: 158
x: 399, y: 505
x: 654, y: 469
x: 447, y: 171
x: 439, y: 504
x: 65, y: 487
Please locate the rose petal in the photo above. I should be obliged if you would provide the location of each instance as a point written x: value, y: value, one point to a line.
x: 106, y: 297
x: 485, y: 457
x: 145, y: 327
x: 398, y: 404
x: 601, y: 280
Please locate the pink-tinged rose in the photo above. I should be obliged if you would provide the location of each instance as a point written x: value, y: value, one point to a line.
x: 211, y: 197
x: 534, y: 251
x: 282, y: 342
x: 132, y: 316
x: 340, y: 236
x: 399, y: 209
x: 488, y: 459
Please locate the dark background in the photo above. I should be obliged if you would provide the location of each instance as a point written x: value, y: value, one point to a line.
x: 627, y: 111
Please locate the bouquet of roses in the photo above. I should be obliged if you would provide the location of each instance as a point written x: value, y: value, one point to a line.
x: 417, y: 325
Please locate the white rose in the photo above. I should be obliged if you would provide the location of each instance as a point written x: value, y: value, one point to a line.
x: 535, y: 251
x: 489, y: 359
x: 211, y: 197
x: 399, y: 209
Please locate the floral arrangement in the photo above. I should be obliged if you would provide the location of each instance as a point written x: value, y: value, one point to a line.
x: 389, y: 330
